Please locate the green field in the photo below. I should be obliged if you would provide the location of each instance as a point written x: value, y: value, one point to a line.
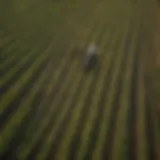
x: 49, y: 107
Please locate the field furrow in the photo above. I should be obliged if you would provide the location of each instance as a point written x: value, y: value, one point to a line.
x: 50, y: 108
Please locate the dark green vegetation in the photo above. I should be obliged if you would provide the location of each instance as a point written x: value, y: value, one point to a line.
x: 152, y: 67
x: 51, y: 109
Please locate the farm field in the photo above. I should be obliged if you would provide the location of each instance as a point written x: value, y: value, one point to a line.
x: 49, y: 107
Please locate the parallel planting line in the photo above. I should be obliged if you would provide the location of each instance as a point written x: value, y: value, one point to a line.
x: 14, y: 57
x: 12, y: 46
x: 52, y: 89
x: 133, y: 110
x: 58, y: 134
x: 9, y: 130
x: 120, y: 137
x: 150, y: 147
x: 57, y: 72
x: 58, y: 76
x: 76, y: 113
x: 6, y: 65
x: 10, y: 108
x: 12, y: 72
x: 31, y: 97
x: 19, y: 100
x: 57, y: 126
x: 10, y: 151
x: 61, y: 131
x: 55, y: 108
x: 18, y: 56
x: 74, y: 117
x: 17, y: 72
x: 13, y: 51
x: 10, y: 42
x: 55, y: 111
x: 16, y: 101
x: 104, y: 125
x: 87, y: 118
x: 140, y: 129
x: 18, y: 86
x: 108, y: 143
x: 63, y: 8
x: 102, y: 94
x: 25, y: 150
x: 82, y: 121
x: 151, y: 144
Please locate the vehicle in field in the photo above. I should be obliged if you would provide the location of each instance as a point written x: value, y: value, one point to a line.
x: 91, y: 57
